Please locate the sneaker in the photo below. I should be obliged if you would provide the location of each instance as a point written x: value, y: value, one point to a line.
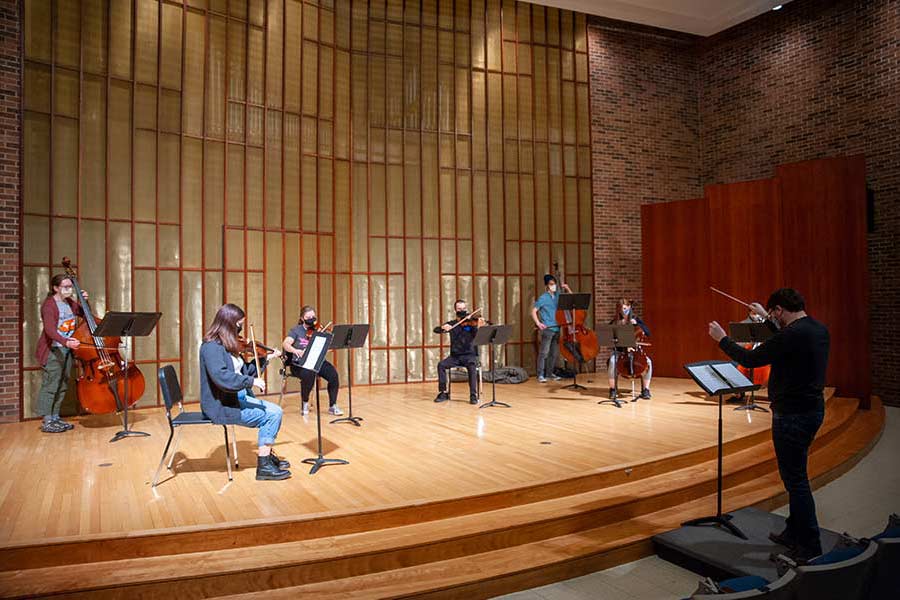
x: 66, y: 426
x: 53, y: 427
x: 335, y: 410
x: 556, y: 378
x: 645, y: 394
x: 442, y: 397
x: 304, y: 408
x: 613, y: 393
x: 542, y: 379
x: 473, y: 399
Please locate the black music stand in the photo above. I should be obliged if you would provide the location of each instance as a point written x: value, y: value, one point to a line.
x: 349, y: 337
x: 126, y: 325
x: 493, y: 335
x: 569, y: 302
x: 313, y: 359
x: 750, y: 332
x: 717, y: 378
x: 617, y: 336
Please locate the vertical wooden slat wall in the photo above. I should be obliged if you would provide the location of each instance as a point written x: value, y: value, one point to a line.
x: 375, y: 159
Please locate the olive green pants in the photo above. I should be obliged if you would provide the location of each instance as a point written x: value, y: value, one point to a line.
x: 55, y: 381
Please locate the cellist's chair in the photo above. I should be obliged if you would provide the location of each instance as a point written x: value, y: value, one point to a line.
x: 171, y: 391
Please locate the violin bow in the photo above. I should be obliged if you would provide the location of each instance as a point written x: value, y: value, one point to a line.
x: 465, y: 318
x: 255, y: 357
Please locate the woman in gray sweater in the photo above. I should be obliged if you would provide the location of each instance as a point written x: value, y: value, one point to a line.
x: 226, y: 389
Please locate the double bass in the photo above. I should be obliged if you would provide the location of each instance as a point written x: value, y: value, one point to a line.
x: 577, y: 342
x: 103, y: 372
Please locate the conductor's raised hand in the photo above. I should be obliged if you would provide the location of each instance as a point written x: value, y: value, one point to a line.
x: 716, y: 332
x: 758, y: 309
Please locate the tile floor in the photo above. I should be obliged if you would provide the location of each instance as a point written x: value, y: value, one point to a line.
x: 859, y: 503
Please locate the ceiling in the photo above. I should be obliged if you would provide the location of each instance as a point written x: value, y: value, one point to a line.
x: 700, y: 17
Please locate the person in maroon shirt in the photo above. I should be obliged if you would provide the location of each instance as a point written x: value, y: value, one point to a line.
x: 54, y: 350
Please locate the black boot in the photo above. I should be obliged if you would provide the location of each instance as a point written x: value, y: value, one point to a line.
x: 442, y: 397
x: 266, y: 469
x: 645, y: 393
x: 278, y: 461
x: 613, y: 393
x: 473, y: 399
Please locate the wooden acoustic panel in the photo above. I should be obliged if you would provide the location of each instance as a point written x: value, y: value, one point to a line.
x: 745, y: 245
x: 825, y: 258
x: 675, y: 272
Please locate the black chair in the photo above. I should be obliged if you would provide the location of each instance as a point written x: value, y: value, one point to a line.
x: 171, y: 391
x: 285, y: 372
x: 837, y: 577
x: 886, y: 576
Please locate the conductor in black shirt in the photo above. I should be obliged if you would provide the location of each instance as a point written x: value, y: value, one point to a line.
x: 462, y: 351
x: 798, y: 353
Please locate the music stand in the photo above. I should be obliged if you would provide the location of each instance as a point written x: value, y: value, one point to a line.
x: 493, y: 335
x: 719, y: 377
x: 126, y: 325
x: 570, y: 302
x: 313, y: 359
x: 750, y: 332
x: 349, y: 337
x: 616, y: 336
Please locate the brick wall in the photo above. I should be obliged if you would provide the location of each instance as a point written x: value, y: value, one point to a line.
x: 10, y: 183
x: 816, y: 79
x: 672, y: 113
x: 645, y: 144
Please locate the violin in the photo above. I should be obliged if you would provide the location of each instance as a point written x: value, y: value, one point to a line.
x: 250, y: 350
x: 577, y: 343
x: 311, y: 331
x: 469, y: 320
x: 103, y: 371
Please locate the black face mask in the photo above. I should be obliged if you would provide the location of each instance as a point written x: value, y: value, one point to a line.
x: 239, y: 327
x: 309, y: 323
x: 461, y: 313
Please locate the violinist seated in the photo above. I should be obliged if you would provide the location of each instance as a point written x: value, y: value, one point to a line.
x: 226, y: 390
x: 462, y: 332
x: 626, y: 316
x: 295, y: 345
x: 55, y: 346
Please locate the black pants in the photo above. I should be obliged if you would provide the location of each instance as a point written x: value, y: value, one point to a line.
x: 308, y: 381
x: 469, y: 361
x: 792, y: 436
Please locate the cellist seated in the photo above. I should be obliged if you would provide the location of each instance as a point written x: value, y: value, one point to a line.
x: 625, y: 316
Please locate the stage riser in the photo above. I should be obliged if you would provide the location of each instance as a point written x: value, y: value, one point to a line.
x: 242, y: 536
x: 699, y: 482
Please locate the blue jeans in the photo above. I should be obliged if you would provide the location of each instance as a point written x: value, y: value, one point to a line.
x: 792, y: 436
x: 262, y: 414
x: 549, y: 353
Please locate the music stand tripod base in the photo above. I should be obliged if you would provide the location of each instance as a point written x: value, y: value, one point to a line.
x: 495, y: 403
x: 128, y: 433
x: 320, y: 462
x: 720, y: 520
x: 354, y: 420
x: 617, y: 402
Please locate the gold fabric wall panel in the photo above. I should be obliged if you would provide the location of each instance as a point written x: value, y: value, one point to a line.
x: 378, y: 159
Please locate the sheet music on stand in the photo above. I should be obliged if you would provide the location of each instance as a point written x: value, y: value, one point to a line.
x: 719, y: 377
x: 316, y: 351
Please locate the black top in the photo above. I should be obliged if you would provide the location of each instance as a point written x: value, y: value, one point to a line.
x: 798, y: 354
x: 220, y: 384
x: 460, y: 339
x: 639, y: 323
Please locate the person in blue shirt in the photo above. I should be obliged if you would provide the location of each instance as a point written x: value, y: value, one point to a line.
x: 544, y: 315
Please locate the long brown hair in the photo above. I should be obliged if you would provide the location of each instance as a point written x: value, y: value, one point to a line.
x: 224, y: 327
x: 306, y: 308
x: 56, y: 282
x: 619, y: 304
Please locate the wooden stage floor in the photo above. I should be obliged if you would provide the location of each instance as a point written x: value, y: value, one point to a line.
x: 409, y: 450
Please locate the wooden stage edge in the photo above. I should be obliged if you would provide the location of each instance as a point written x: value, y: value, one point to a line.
x: 440, y: 500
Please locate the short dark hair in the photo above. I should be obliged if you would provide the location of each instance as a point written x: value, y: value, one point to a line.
x: 787, y: 298
x: 459, y: 301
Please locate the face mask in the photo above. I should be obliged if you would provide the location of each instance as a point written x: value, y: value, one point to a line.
x: 66, y: 292
x: 461, y: 313
x: 310, y: 322
x: 626, y: 310
x: 239, y: 327
x: 552, y: 288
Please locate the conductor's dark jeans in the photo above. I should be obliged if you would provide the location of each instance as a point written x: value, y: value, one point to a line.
x: 792, y: 436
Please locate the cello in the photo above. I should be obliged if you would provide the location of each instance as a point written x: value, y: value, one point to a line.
x: 577, y: 343
x: 103, y: 372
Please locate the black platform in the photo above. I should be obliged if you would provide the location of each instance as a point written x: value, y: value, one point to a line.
x: 713, y: 552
